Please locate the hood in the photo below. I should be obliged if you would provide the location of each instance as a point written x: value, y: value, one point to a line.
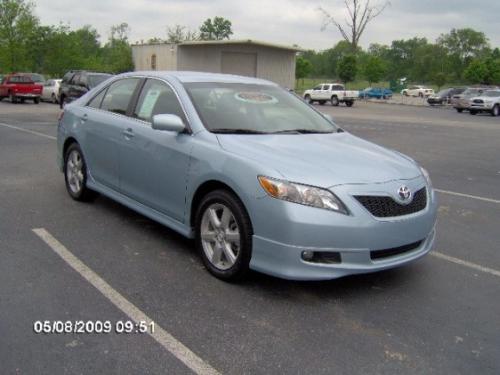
x: 322, y: 160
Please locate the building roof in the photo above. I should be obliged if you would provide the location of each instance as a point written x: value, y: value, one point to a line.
x: 230, y: 41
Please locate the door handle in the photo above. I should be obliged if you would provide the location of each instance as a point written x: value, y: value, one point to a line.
x: 129, y: 133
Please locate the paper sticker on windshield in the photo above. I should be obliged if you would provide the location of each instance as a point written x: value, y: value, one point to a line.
x: 255, y: 97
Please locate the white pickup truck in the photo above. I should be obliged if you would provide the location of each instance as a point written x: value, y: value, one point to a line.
x: 334, y: 93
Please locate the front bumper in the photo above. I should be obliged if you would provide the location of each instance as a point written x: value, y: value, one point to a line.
x: 481, y: 107
x: 284, y: 230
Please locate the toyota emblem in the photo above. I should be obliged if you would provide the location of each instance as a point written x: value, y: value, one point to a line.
x: 404, y: 193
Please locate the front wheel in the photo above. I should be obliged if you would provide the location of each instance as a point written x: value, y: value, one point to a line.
x: 308, y: 99
x: 459, y: 110
x: 495, y: 111
x: 322, y: 102
x: 335, y: 101
x: 223, y: 234
x: 75, y: 174
x: 473, y: 112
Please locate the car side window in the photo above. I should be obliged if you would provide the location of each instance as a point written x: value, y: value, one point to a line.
x: 75, y: 79
x: 317, y: 87
x: 157, y: 98
x: 96, y: 101
x: 326, y: 87
x: 118, y: 95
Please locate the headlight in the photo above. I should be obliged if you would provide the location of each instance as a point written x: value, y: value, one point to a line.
x: 302, y: 194
x: 426, y: 175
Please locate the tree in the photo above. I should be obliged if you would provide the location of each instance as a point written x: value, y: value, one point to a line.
x: 492, y: 75
x: 117, y: 53
x: 17, y: 27
x: 463, y: 46
x: 359, y: 13
x: 476, y: 72
x: 302, y: 67
x: 178, y: 34
x: 374, y: 69
x: 347, y: 68
x: 440, y: 79
x: 219, y: 29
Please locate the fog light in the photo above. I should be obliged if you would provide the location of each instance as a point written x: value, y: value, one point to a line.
x: 307, y: 255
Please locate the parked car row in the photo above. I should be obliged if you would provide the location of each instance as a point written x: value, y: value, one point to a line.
x: 19, y: 87
x: 478, y: 99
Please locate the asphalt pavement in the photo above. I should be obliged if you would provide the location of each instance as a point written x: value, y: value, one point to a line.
x: 439, y: 315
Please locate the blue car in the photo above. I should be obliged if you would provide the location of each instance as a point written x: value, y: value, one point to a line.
x: 258, y: 178
x: 375, y: 92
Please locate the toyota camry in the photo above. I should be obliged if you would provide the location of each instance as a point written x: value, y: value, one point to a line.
x: 257, y: 177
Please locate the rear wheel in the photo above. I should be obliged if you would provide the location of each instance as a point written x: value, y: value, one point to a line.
x: 349, y: 104
x: 53, y: 98
x: 335, y: 101
x: 322, y: 102
x: 459, y: 110
x: 13, y: 98
x: 405, y: 93
x: 224, y: 235
x: 420, y: 95
x: 75, y: 174
x: 473, y: 112
x: 495, y: 111
x: 36, y: 100
x: 62, y: 102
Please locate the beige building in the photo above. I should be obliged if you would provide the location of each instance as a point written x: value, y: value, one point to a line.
x: 244, y: 57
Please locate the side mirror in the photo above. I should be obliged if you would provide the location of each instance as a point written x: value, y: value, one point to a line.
x: 171, y: 123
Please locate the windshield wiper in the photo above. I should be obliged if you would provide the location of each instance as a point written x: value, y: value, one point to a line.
x: 302, y: 131
x: 236, y: 131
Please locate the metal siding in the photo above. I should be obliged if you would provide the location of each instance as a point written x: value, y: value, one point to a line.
x: 239, y: 63
x: 273, y: 64
x: 166, y: 56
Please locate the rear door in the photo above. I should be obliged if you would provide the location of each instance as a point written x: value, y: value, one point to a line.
x: 153, y: 164
x: 104, y: 122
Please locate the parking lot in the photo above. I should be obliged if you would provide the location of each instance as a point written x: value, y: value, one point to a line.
x: 439, y: 315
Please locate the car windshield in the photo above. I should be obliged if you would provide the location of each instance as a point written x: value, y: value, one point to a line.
x: 443, y: 92
x: 21, y: 79
x: 254, y: 109
x: 492, y: 93
x: 471, y: 92
x: 96, y: 79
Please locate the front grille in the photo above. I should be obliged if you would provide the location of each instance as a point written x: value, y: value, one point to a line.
x: 382, y: 206
x: 386, y: 253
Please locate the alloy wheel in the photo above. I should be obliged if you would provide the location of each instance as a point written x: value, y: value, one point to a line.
x: 220, y: 236
x: 74, y: 171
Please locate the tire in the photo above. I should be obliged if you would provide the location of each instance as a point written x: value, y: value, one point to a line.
x: 420, y: 95
x: 335, y: 101
x: 53, y: 98
x: 349, y: 104
x: 405, y: 93
x: 308, y: 99
x: 36, y: 100
x: 459, y: 110
x: 235, y: 265
x: 495, y: 111
x: 75, y: 174
x: 322, y: 102
x: 62, y: 102
x: 13, y: 98
x: 473, y: 112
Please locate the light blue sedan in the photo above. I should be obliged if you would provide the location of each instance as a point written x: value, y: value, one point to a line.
x: 260, y: 179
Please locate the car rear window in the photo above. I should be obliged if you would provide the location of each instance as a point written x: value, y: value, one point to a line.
x: 20, y: 79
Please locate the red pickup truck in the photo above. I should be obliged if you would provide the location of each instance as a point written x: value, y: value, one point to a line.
x: 19, y: 87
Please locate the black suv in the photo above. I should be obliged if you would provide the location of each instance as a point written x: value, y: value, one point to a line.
x: 75, y: 83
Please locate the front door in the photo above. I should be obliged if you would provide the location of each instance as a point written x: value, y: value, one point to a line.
x: 153, y: 164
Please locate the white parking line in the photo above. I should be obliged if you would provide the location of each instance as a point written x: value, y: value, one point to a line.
x: 27, y: 131
x: 474, y: 266
x: 468, y: 196
x: 169, y: 342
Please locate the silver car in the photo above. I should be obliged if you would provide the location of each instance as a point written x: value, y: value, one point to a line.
x: 257, y: 177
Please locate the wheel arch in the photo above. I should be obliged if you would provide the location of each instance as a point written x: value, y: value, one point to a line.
x: 68, y: 142
x: 202, y: 190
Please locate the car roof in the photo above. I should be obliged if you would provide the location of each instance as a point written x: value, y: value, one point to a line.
x: 192, y: 77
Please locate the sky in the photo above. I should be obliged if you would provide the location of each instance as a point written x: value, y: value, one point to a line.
x: 286, y: 22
